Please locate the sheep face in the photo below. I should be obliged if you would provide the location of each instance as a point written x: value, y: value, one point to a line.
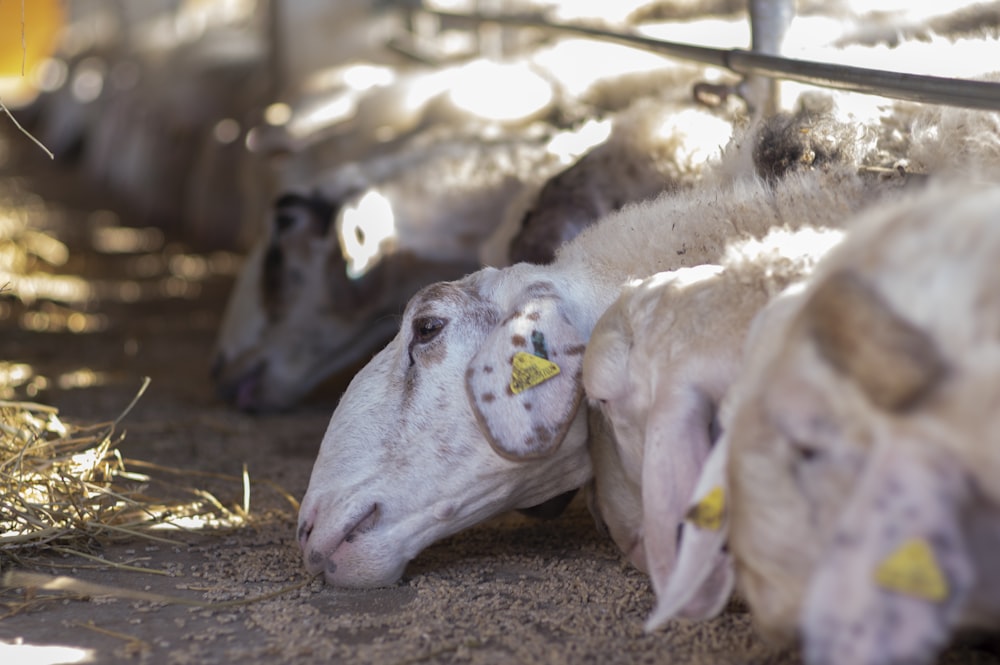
x: 459, y: 418
x: 302, y: 318
x: 862, y: 445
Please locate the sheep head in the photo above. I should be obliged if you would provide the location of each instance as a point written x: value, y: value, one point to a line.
x: 858, y: 519
x: 471, y: 410
x: 297, y: 317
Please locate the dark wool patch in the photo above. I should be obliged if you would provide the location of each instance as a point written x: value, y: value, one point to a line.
x: 806, y: 139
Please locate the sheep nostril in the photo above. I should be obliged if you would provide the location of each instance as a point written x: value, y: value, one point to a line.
x: 304, y: 531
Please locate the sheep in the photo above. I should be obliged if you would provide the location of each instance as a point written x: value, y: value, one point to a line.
x: 861, y: 481
x: 405, y: 462
x: 942, y: 143
x: 257, y: 361
x: 654, y: 146
x: 657, y: 366
x: 321, y: 290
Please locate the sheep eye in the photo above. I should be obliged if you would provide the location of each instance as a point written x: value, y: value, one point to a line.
x: 806, y: 452
x: 426, y: 329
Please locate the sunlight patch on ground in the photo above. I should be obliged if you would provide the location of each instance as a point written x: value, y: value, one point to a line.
x: 44, y: 654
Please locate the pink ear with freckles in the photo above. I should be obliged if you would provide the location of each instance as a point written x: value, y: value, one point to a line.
x: 701, y: 580
x: 525, y: 383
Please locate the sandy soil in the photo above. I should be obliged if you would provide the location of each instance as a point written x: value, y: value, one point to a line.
x: 514, y: 590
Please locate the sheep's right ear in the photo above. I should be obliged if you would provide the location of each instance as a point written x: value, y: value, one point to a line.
x: 857, y: 332
x: 702, y: 579
x: 524, y: 383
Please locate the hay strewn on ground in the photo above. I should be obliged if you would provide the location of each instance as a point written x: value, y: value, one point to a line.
x: 68, y: 487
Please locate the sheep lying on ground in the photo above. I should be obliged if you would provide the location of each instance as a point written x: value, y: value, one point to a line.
x: 438, y: 200
x: 654, y: 146
x: 862, y: 439
x: 952, y: 144
x: 406, y: 461
x: 658, y: 364
x: 322, y: 290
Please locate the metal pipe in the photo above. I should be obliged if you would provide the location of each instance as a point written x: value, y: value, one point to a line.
x: 898, y: 85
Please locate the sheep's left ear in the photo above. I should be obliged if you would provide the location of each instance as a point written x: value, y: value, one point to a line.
x: 524, y: 383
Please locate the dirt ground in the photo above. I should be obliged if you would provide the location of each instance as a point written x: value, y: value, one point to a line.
x: 513, y: 590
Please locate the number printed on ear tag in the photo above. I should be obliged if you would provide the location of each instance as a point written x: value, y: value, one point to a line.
x: 912, y: 570
x: 528, y: 371
x: 707, y: 514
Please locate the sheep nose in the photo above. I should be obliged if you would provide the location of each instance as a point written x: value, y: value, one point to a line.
x: 244, y: 388
x: 217, y: 367
x: 305, y: 530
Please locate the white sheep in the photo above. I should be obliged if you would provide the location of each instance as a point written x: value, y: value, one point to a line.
x: 658, y: 364
x: 434, y: 202
x: 322, y: 290
x: 950, y: 144
x: 406, y: 461
x: 862, y: 467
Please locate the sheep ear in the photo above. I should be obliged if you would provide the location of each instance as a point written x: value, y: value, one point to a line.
x: 892, y: 361
x: 524, y: 383
x: 701, y: 581
x: 897, y: 563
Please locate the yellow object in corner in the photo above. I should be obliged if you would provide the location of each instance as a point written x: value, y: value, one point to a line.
x: 42, y: 20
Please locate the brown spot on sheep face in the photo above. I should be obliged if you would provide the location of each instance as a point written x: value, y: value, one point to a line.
x: 534, y: 316
x: 487, y: 369
x: 528, y: 406
x: 575, y: 350
x: 488, y: 397
x: 808, y: 139
x: 519, y: 340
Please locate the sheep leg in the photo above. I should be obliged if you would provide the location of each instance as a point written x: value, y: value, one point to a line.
x: 897, y: 572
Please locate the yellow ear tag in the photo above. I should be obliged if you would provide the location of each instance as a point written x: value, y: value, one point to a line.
x: 529, y: 371
x: 913, y: 571
x: 707, y: 513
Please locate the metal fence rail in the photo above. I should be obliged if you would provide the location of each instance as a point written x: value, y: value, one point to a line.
x: 898, y: 85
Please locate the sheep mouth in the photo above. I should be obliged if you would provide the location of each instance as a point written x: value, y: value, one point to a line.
x: 319, y: 557
x: 635, y: 553
x: 243, y: 390
x: 368, y: 522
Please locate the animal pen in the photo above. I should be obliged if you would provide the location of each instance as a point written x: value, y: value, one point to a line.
x: 144, y: 518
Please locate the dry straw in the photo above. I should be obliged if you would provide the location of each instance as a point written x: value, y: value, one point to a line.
x: 66, y: 488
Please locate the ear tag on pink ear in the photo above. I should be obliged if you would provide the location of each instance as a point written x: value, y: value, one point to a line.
x: 529, y: 370
x: 708, y: 513
x: 913, y: 571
